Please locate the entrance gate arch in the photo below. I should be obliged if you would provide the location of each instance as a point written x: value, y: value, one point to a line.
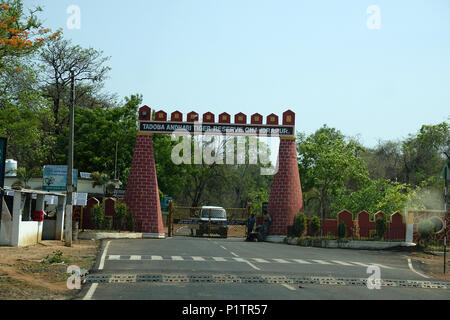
x: 142, y: 196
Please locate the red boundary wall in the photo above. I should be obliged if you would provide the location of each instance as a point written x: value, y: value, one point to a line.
x: 363, y: 226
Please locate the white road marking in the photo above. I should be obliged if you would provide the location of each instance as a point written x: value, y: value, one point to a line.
x: 114, y: 257
x: 90, y: 292
x: 234, y: 254
x: 412, y: 269
x: 252, y: 265
x: 260, y: 260
x: 177, y: 258
x: 288, y: 286
x: 382, y: 266
x: 280, y: 261
x: 320, y: 262
x: 135, y: 258
x: 102, y: 260
x: 359, y: 264
x: 198, y: 259
x: 341, y: 262
x: 158, y: 258
x: 219, y: 259
x: 301, y: 261
x: 247, y: 262
x: 224, y: 248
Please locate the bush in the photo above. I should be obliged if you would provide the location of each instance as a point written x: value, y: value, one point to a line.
x: 130, y: 221
x: 426, y: 230
x: 299, y: 224
x: 381, y: 226
x: 314, y: 225
x: 119, y: 215
x: 342, y: 230
x: 107, y: 223
x: 97, y: 216
x: 56, y: 258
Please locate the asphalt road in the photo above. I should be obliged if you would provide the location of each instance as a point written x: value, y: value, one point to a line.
x: 183, y: 268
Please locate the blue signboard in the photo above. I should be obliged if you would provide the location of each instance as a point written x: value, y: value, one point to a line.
x: 55, y: 178
x: 165, y: 203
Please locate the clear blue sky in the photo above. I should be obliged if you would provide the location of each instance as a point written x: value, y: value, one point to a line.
x: 317, y: 58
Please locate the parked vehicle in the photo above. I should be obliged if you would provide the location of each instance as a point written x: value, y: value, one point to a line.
x: 211, y: 220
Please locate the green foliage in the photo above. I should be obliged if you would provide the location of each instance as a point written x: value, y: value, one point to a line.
x: 426, y: 230
x: 55, y: 258
x: 299, y: 224
x: 342, y: 230
x: 119, y: 215
x: 328, y: 163
x: 107, y: 223
x: 314, y: 225
x: 381, y: 226
x: 257, y: 198
x: 98, y: 216
x: 130, y: 221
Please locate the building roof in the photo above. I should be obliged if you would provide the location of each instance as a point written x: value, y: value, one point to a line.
x: 45, y: 193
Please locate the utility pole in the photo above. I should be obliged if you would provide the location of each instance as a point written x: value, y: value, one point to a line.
x: 115, y: 162
x: 70, y: 186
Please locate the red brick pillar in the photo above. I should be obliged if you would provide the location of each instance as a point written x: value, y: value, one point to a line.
x: 286, y: 194
x: 142, y: 196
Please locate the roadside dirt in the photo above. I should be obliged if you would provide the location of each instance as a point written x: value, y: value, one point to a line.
x: 431, y: 265
x: 30, y: 274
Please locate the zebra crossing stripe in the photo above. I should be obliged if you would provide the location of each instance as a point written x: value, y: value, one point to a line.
x: 321, y: 262
x: 237, y: 259
x: 219, y: 259
x: 301, y: 261
x: 280, y: 261
x: 198, y: 259
x: 177, y: 258
x: 158, y: 258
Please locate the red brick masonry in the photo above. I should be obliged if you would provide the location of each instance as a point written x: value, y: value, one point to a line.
x: 142, y: 196
x: 286, y: 194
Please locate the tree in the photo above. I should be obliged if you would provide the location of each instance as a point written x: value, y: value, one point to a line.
x: 20, y: 34
x: 425, y: 154
x: 342, y: 230
x: 426, y: 230
x: 381, y: 226
x: 328, y: 163
x: 315, y: 225
x: 299, y: 224
x: 60, y: 58
x: 24, y: 176
x: 97, y: 132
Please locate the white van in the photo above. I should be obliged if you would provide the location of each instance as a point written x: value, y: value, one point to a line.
x: 211, y: 220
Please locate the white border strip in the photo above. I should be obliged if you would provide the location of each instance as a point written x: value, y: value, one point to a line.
x: 91, y: 291
x: 412, y: 269
x: 102, y: 261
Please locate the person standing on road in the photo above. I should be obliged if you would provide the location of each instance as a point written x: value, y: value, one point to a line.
x: 266, y: 225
